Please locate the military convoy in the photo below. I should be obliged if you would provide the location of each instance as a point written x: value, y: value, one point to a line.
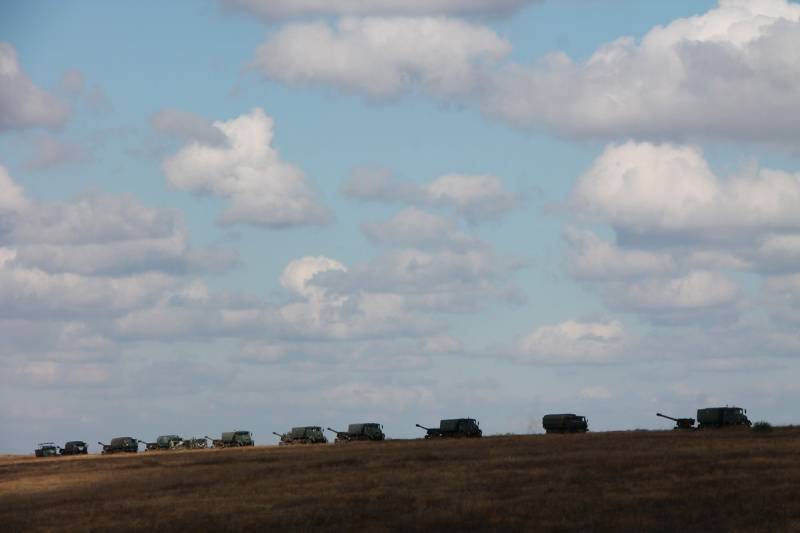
x: 713, y: 417
x: 302, y: 435
x: 565, y: 423
x: 365, y: 431
x: 233, y: 439
x: 120, y: 445
x: 453, y: 428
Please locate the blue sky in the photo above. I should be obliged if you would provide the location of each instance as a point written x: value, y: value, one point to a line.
x: 496, y: 214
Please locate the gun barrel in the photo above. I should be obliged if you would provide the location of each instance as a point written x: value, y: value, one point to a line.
x: 337, y: 432
x: 423, y: 427
x: 276, y: 433
x: 667, y: 417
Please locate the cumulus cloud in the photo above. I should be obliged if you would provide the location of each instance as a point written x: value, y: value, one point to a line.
x: 23, y: 104
x: 282, y: 9
x: 574, y: 342
x: 592, y: 258
x: 664, y: 189
x: 383, y: 58
x: 414, y: 227
x: 475, y: 197
x: 731, y: 72
x: 262, y: 188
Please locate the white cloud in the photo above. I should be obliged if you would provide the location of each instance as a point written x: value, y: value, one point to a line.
x: 363, y: 395
x: 596, y: 393
x: 595, y: 259
x: 574, y: 342
x: 12, y: 198
x: 474, y: 197
x: 383, y: 57
x: 415, y: 227
x: 695, y: 290
x: 731, y: 72
x: 23, y: 104
x: 282, y: 9
x: 664, y: 189
x: 248, y: 171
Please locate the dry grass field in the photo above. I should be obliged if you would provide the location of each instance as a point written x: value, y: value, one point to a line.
x: 734, y: 480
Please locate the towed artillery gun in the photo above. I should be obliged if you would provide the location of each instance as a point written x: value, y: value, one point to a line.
x: 121, y: 445
x: 163, y: 442
x: 680, y: 423
x: 193, y: 444
x: 302, y: 435
x: 450, y: 428
x: 719, y: 417
x: 366, y: 431
x: 232, y: 439
x: 46, y: 449
x: 565, y: 423
x: 74, y: 447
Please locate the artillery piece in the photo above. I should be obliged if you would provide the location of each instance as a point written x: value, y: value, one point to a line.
x: 365, y: 431
x: 680, y: 423
x: 232, y: 439
x: 453, y: 428
x: 302, y: 435
x: 121, y: 444
x: 163, y: 442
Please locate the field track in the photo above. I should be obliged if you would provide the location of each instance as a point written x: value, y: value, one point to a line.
x: 730, y: 480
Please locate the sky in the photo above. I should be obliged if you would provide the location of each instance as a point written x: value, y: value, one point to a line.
x: 259, y: 214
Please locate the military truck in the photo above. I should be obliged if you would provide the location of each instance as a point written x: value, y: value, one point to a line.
x: 565, y: 423
x: 163, y: 442
x: 680, y: 423
x: 364, y: 431
x: 46, y: 449
x: 453, y: 428
x: 718, y: 417
x: 193, y: 444
x: 74, y: 447
x: 121, y: 445
x: 302, y: 435
x: 232, y: 439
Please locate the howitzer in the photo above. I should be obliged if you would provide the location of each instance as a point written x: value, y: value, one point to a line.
x: 341, y: 436
x: 680, y: 423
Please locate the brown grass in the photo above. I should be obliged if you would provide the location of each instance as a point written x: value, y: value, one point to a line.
x: 632, y: 481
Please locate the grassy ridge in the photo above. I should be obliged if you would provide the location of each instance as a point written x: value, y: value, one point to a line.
x: 735, y: 480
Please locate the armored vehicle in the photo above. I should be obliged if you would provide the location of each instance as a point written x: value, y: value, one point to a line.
x: 303, y: 435
x: 453, y: 428
x: 233, y: 439
x: 46, y: 449
x: 193, y: 444
x: 163, y: 442
x: 365, y: 431
x: 565, y: 423
x: 121, y: 444
x: 680, y: 423
x: 717, y: 417
x: 74, y: 447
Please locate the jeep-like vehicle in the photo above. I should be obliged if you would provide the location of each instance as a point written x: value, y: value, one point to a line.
x: 46, y: 449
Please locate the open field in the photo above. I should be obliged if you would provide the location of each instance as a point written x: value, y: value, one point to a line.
x: 730, y: 480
